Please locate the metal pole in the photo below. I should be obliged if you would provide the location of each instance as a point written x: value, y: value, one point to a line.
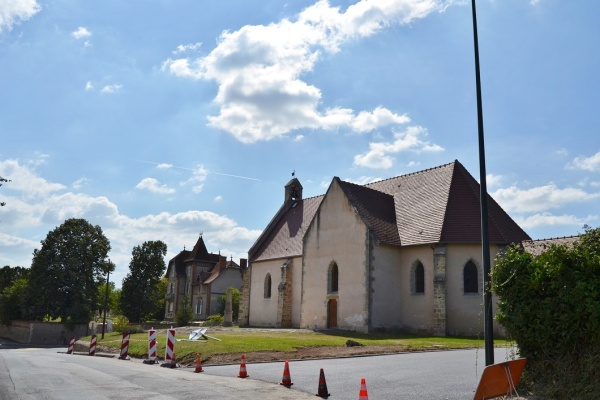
x: 488, y: 328
x: 105, y: 303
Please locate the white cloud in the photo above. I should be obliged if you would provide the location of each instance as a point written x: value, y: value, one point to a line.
x: 218, y: 199
x: 540, y: 198
x: 154, y: 186
x: 89, y: 86
x: 164, y: 166
x: 379, y: 154
x: 110, y: 89
x: 184, y: 48
x: 12, y: 12
x: 79, y: 183
x: 25, y: 180
x: 259, y: 69
x: 591, y: 163
x: 197, y: 180
x: 493, y: 180
x: 81, y: 33
x: 40, y: 206
x: 547, y: 219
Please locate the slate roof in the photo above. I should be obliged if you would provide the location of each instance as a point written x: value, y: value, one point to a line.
x: 537, y: 247
x: 436, y: 205
x: 283, y: 236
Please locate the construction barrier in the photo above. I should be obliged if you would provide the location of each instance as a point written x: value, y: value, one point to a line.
x: 198, y: 364
x: 322, y: 391
x: 363, y: 394
x: 243, y: 373
x: 170, y: 361
x: 286, y: 380
x: 71, y: 346
x: 93, y: 345
x: 151, y: 347
x: 124, y: 346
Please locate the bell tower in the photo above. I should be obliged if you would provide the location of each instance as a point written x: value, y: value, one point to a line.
x: 293, y: 190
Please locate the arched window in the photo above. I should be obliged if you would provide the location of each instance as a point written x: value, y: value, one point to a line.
x: 268, y: 286
x: 199, y: 306
x: 419, y: 278
x: 470, y: 278
x: 333, y: 278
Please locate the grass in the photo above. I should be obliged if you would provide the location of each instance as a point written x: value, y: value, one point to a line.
x: 241, y: 341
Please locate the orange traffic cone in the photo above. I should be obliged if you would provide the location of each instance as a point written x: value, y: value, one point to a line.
x: 198, y: 364
x: 243, y: 373
x: 363, y: 395
x: 322, y: 392
x: 286, y: 380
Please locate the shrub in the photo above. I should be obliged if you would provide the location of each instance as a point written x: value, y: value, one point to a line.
x: 214, y: 320
x: 549, y: 304
x: 120, y: 323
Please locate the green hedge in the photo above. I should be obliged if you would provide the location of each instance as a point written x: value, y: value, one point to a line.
x: 550, y: 305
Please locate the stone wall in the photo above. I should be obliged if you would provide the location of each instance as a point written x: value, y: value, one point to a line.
x: 46, y: 333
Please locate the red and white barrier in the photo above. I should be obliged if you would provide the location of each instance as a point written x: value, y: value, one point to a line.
x: 152, y: 345
x: 93, y: 346
x: 124, y: 346
x: 170, y: 349
x: 71, y: 346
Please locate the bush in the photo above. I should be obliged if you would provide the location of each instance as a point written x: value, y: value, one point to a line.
x: 549, y: 304
x: 214, y: 320
x: 120, y: 324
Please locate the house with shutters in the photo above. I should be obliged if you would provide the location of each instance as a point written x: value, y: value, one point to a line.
x: 203, y: 278
x: 401, y: 254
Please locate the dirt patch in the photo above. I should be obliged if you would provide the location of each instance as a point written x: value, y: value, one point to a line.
x: 303, y: 354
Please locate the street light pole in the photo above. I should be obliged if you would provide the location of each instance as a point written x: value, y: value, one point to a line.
x: 105, y: 303
x: 488, y: 328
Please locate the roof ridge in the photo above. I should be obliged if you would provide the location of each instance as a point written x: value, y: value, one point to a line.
x: 553, y: 238
x: 411, y: 173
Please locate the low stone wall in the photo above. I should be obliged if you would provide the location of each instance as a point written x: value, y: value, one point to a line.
x: 47, y: 333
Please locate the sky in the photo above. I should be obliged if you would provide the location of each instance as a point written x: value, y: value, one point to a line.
x: 167, y: 119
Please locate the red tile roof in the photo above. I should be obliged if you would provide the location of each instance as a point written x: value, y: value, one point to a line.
x: 437, y: 205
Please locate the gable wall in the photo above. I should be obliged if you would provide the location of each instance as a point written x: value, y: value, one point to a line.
x: 230, y: 277
x: 336, y: 234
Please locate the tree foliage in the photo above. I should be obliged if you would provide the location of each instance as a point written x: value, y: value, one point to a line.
x: 184, y: 314
x: 10, y: 275
x: 13, y: 293
x: 13, y: 300
x: 139, y: 289
x: 66, y: 272
x: 550, y: 305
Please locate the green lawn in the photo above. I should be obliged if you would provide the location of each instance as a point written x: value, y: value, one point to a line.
x: 243, y: 341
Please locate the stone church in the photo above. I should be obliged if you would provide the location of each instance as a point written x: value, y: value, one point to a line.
x: 401, y: 254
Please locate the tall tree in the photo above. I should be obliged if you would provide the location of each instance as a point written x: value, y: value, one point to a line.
x: 146, y: 267
x: 9, y: 275
x: 67, y: 270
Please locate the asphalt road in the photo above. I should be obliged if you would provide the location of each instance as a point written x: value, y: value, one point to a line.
x: 442, y: 375
x: 50, y: 373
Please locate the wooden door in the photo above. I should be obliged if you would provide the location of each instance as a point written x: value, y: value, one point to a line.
x: 332, y: 313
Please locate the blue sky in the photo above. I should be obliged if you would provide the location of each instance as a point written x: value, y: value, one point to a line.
x: 160, y: 119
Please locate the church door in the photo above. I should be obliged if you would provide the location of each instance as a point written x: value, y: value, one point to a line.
x: 332, y: 313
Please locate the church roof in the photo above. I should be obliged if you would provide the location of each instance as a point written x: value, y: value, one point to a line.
x: 436, y: 205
